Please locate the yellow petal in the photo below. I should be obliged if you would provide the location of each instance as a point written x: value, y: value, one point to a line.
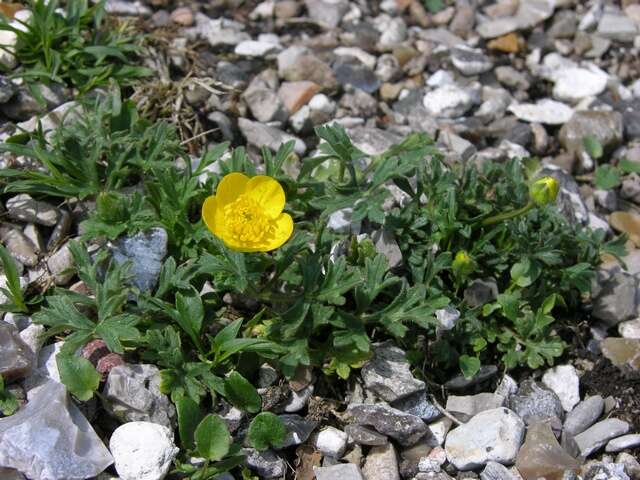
x: 283, y: 230
x: 231, y: 187
x: 268, y: 193
x: 212, y: 215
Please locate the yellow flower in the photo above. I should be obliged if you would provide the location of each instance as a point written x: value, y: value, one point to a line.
x: 544, y: 191
x: 246, y: 213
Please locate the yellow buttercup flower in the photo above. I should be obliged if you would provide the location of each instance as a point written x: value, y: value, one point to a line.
x: 246, y: 213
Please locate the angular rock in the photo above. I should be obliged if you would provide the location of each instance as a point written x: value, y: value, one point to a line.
x: 257, y: 48
x: 480, y: 292
x: 492, y: 435
x: 327, y: 12
x: 617, y: 27
x: 622, y: 443
x: 16, y: 358
x: 295, y: 95
x: 534, y: 403
x: 298, y: 429
x: 465, y: 407
x: 146, y: 252
x: 448, y: 101
x: 532, y: 12
x: 460, y: 382
x: 331, y: 442
x: 498, y: 27
x: 260, y: 135
x: 470, y: 62
x: 622, y: 352
x: 310, y: 68
x: 386, y: 244
x: 217, y: 32
x: 546, y: 111
x: 564, y: 381
x: 574, y: 84
x: 585, y: 414
x: 351, y: 71
x: 266, y: 464
x: 264, y: 103
x: 364, y: 436
x: 606, y: 471
x: 372, y: 141
x: 142, y: 450
x: 343, y: 471
x: 606, y: 127
x: 132, y: 393
x: 630, y: 329
x: 631, y: 465
x: 497, y: 471
x: 542, y: 456
x: 447, y: 317
x: 25, y: 209
x: 381, y: 463
x: 61, y: 264
x: 19, y: 246
x: 406, y: 429
x: 50, y: 439
x: 388, y: 373
x: 596, y: 436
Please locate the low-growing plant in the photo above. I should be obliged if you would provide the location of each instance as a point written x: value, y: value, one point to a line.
x: 77, y: 47
x: 13, y: 289
x: 607, y: 176
x: 8, y: 402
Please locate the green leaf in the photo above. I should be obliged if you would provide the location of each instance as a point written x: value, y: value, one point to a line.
x: 78, y: 375
x: 14, y: 289
x: 239, y: 391
x: 8, y: 403
x: 189, y: 417
x: 628, y: 166
x: 434, y: 6
x: 607, y: 177
x: 469, y: 366
x: 266, y: 431
x: 593, y: 147
x: 212, y: 438
x: 190, y: 312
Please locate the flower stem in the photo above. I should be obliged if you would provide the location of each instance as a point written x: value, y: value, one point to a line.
x: 501, y: 217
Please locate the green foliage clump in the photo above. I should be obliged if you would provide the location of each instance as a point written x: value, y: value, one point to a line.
x: 77, y: 47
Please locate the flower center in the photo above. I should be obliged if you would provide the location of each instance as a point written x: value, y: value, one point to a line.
x: 246, y: 222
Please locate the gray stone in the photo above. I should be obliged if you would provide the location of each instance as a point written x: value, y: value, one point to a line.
x: 24, y: 208
x: 61, y: 264
x: 510, y: 77
x: 16, y: 358
x: 565, y: 24
x: 606, y: 127
x: 498, y: 27
x: 622, y: 443
x: 596, y: 436
x: 372, y: 141
x: 351, y: 71
x: 564, y: 381
x: 470, y: 62
x: 217, y: 32
x: 480, y: 292
x: 19, y: 246
x: 266, y: 464
x: 146, y: 251
x: 381, y: 463
x: 260, y: 135
x: 132, y: 393
x: 298, y: 400
x: 264, y: 103
x: 492, y: 435
x: 447, y: 317
x: 507, y: 387
x: 606, y: 471
x: 388, y: 373
x: 386, y: 244
x: 343, y: 471
x: 617, y: 27
x: 298, y: 429
x: 465, y: 407
x: 7, y: 89
x: 585, y: 414
x: 631, y: 465
x: 405, y: 428
x: 616, y: 300
x: 497, y: 471
x: 569, y: 201
x: 327, y: 12
x: 50, y: 439
x: 534, y: 403
x: 124, y: 8
x: 264, y: 46
x: 630, y: 328
x: 364, y: 436
x: 418, y: 405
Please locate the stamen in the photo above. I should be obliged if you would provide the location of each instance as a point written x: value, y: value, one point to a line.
x: 246, y: 222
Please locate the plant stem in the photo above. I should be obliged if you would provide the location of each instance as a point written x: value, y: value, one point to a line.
x: 507, y: 215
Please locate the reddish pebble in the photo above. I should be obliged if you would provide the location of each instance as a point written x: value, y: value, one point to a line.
x: 295, y: 95
x: 106, y: 363
x: 182, y: 16
x: 94, y: 351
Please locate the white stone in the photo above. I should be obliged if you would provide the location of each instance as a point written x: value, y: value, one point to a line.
x: 621, y: 443
x: 366, y: 58
x: 630, y: 329
x: 33, y: 337
x: 498, y: 27
x: 448, y: 101
x: 564, y: 381
x: 331, y: 442
x: 256, y: 48
x: 340, y: 221
x: 547, y: 111
x: 8, y: 39
x: 440, y: 79
x: 438, y: 431
x: 574, y: 84
x: 142, y: 450
x: 492, y: 435
x: 447, y: 317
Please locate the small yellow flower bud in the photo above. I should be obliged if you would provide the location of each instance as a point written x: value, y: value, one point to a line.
x: 462, y: 265
x: 544, y: 191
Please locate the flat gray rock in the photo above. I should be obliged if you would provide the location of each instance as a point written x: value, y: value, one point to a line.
x: 596, y: 436
x: 16, y: 358
x: 585, y: 414
x: 621, y: 443
x: 406, y: 429
x: 534, y: 402
x: 342, y: 471
x: 50, y: 439
x: 388, y: 373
